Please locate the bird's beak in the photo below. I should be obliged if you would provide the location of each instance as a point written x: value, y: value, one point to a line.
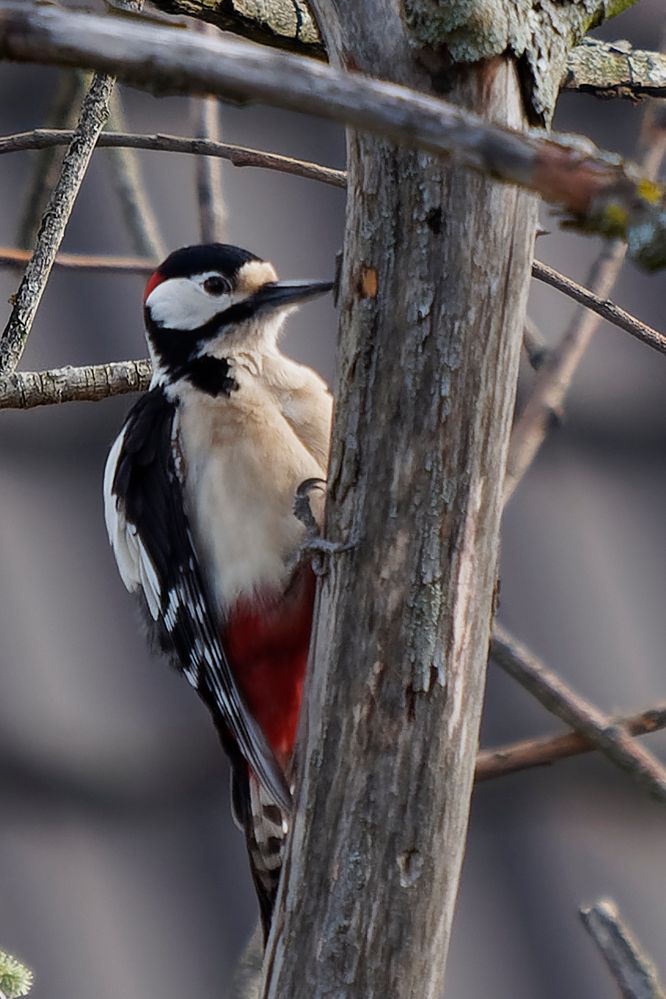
x: 281, y: 294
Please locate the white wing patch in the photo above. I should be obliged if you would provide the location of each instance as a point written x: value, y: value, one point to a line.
x: 134, y: 563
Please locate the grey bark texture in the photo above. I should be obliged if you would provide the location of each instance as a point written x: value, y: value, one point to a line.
x: 434, y: 281
x: 27, y: 389
x: 615, y: 69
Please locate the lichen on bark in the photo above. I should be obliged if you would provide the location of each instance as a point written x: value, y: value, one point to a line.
x: 539, y: 33
x: 285, y: 24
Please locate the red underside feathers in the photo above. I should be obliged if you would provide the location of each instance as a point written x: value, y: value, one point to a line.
x: 267, y: 641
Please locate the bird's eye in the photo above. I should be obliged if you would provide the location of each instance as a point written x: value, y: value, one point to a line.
x: 215, y: 285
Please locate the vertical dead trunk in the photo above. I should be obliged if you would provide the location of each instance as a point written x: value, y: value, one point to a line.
x: 435, y: 275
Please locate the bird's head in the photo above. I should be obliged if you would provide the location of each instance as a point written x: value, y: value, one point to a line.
x: 214, y: 299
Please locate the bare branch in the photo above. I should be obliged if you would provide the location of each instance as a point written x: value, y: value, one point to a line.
x: 10, y: 257
x: 240, y: 156
x: 26, y: 301
x: 606, y: 69
x: 552, y: 384
x: 556, y: 696
x: 607, y: 310
x: 615, y: 69
x: 128, y: 181
x: 503, y: 760
x: 208, y: 170
x: 91, y: 383
x: 598, y: 191
x: 212, y: 214
x: 632, y: 970
x: 62, y: 114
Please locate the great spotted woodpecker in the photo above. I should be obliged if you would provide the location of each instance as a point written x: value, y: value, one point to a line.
x: 199, y: 491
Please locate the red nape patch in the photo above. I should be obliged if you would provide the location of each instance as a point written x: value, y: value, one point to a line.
x: 152, y: 283
x: 267, y: 642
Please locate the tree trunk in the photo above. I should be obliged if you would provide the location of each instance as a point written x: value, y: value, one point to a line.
x: 434, y: 283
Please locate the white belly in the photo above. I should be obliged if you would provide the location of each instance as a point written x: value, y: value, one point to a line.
x: 242, y: 467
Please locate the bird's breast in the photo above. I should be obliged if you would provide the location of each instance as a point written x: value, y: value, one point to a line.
x: 242, y: 463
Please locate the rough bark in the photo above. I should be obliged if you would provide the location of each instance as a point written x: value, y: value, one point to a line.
x: 615, y: 69
x: 434, y: 281
x: 26, y: 389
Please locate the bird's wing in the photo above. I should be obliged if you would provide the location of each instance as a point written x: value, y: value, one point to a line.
x: 151, y: 539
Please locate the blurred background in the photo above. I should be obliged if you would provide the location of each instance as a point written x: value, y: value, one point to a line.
x: 121, y: 872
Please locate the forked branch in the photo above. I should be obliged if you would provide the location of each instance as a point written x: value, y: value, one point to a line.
x: 556, y: 696
x: 529, y: 753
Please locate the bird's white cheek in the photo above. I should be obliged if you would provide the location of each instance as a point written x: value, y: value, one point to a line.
x: 180, y: 304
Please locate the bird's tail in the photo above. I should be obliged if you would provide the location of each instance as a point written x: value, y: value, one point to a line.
x: 265, y: 826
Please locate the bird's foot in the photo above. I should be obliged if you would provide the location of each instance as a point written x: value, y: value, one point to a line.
x: 316, y: 550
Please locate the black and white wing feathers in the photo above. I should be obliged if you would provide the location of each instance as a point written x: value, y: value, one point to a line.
x: 156, y: 555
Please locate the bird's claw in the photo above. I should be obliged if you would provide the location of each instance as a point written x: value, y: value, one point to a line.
x: 315, y: 549
x: 303, y: 509
x: 320, y: 551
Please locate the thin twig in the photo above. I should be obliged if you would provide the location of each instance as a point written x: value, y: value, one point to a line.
x: 633, y: 971
x: 11, y: 257
x: 90, y: 383
x: 207, y: 169
x: 63, y: 112
x: 240, y: 156
x: 607, y: 310
x: 26, y: 301
x: 208, y: 173
x: 554, y: 380
x: 503, y: 760
x: 558, y: 698
x: 598, y: 192
x: 140, y: 218
x: 555, y: 375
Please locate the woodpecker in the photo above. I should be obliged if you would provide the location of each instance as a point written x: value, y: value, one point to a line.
x: 199, y: 491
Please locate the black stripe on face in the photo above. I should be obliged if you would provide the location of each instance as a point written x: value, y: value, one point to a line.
x: 178, y: 354
x: 177, y: 351
x: 174, y: 349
